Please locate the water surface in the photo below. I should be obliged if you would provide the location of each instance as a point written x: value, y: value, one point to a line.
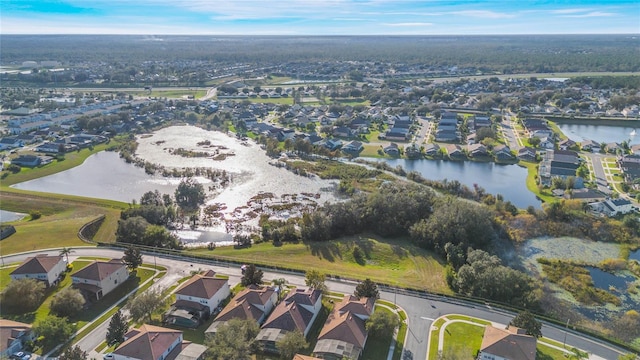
x: 508, y: 180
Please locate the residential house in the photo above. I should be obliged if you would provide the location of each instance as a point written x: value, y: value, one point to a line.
x: 13, y: 336
x: 547, y: 143
x: 252, y: 303
x: 531, y: 125
x: 397, y: 133
x: 613, y: 207
x: 392, y: 149
x: 481, y: 121
x: 10, y: 142
x: 353, y: 146
x: 454, y: 151
x: 590, y: 145
x: 304, y: 357
x: 613, y: 148
x: 342, y: 131
x: 286, y: 134
x: 150, y: 342
x: 476, y: 150
x: 100, y: 278
x: 566, y: 144
x: 447, y: 135
x: 296, y: 312
x: 41, y: 267
x: 333, y: 144
x: 507, y: 344
x: 527, y: 154
x: 559, y: 163
x: 49, y: 147
x: 197, y: 299
x: 502, y: 153
x: 27, y: 160
x: 431, y: 149
x: 344, y: 334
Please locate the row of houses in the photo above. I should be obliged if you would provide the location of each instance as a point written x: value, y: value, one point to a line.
x: 448, y: 128
x: 562, y: 164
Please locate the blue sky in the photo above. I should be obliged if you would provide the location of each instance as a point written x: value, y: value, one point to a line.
x: 319, y: 17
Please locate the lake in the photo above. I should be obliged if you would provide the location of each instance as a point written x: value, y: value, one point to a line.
x: 508, y: 180
x: 600, y: 133
x: 105, y: 175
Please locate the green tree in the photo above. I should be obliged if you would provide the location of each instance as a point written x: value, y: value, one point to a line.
x: 251, y: 276
x: 525, y: 320
x: 132, y: 258
x: 67, y: 302
x: 367, y: 288
x: 53, y: 331
x: 73, y: 353
x: 23, y: 295
x: 234, y: 340
x: 117, y: 328
x: 158, y: 236
x: 382, y: 323
x: 315, y: 279
x: 189, y: 195
x: 65, y: 251
x: 291, y: 343
x: 145, y: 304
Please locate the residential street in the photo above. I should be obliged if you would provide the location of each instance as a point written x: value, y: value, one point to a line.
x: 421, y: 309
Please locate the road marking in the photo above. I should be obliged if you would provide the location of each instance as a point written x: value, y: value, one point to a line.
x: 426, y: 318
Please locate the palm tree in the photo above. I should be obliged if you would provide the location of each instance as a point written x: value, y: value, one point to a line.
x: 65, y: 251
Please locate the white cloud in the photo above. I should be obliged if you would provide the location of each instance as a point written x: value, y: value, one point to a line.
x: 485, y: 14
x: 408, y: 24
x: 570, y: 11
x: 590, y: 14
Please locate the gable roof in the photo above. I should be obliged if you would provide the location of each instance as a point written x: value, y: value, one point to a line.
x: 509, y: 343
x: 99, y: 270
x: 359, y: 306
x: 203, y: 286
x: 9, y: 331
x: 149, y: 342
x: 290, y: 315
x: 243, y: 305
x: 343, y: 324
x: 39, y: 264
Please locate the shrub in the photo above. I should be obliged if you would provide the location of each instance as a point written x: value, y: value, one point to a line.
x: 35, y: 214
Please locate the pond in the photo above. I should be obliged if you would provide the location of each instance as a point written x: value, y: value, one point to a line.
x: 8, y: 216
x: 105, y: 176
x: 606, y: 280
x: 635, y: 255
x: 508, y: 180
x: 600, y: 133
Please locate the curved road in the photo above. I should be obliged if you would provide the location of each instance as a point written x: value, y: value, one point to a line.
x: 421, y: 310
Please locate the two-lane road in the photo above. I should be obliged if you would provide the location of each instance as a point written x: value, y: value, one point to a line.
x: 420, y: 309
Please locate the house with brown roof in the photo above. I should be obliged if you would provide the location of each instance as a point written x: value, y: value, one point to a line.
x: 13, y: 335
x: 41, y: 267
x: 100, y: 278
x: 252, y: 303
x: 197, y: 299
x: 507, y: 344
x: 344, y: 333
x: 304, y: 357
x: 296, y: 312
x: 153, y: 343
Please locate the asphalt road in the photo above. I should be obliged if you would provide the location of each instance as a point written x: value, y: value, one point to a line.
x: 421, y: 311
x: 598, y: 171
x: 509, y: 132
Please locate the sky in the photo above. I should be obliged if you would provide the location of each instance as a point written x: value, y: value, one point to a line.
x: 319, y: 17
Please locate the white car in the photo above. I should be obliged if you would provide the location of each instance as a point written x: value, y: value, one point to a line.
x: 108, y: 356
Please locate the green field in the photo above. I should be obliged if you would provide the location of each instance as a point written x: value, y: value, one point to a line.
x: 390, y: 261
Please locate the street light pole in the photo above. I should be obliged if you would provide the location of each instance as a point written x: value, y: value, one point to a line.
x: 565, y: 334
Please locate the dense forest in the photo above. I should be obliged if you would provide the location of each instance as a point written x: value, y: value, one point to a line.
x: 506, y: 54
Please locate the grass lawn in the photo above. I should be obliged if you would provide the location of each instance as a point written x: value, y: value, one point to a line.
x: 462, y: 341
x: 378, y: 347
x: 390, y: 261
x: 531, y: 181
x: 173, y: 93
x: 58, y: 227
x: 4, y: 275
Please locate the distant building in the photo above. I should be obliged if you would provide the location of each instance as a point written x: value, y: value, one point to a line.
x: 13, y: 336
